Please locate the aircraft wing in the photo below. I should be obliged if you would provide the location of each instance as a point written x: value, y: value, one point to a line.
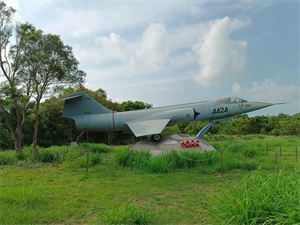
x: 148, y: 127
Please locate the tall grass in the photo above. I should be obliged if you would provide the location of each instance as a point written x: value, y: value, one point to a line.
x: 126, y: 213
x: 264, y: 197
x: 96, y: 148
x: 25, y: 194
x: 164, y: 162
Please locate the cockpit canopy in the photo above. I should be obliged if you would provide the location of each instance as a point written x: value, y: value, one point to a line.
x: 231, y: 99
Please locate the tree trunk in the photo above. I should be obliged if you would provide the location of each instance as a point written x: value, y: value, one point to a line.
x: 79, y: 137
x: 16, y: 133
x: 110, y: 136
x: 17, y: 136
x: 35, y: 131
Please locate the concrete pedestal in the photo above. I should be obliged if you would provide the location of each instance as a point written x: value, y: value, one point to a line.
x: 171, y: 141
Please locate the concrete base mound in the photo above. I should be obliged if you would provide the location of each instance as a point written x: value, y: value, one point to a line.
x: 171, y: 141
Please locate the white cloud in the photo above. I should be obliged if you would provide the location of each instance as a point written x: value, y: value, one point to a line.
x: 219, y: 57
x: 236, y: 88
x: 157, y: 49
x: 268, y: 91
x: 148, y: 54
x: 113, y: 41
x: 105, y: 17
x: 153, y: 49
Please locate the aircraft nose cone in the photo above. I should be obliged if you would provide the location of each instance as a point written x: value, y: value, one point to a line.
x: 260, y: 105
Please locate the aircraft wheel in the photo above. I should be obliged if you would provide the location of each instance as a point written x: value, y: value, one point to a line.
x: 212, y: 128
x: 156, y: 137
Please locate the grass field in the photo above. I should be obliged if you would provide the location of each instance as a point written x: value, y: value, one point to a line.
x: 251, y: 190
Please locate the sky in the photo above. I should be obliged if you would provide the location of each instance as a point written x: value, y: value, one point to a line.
x: 173, y: 52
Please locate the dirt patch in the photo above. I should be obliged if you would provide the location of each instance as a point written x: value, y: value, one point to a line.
x: 220, y: 175
x: 161, y: 195
x: 140, y: 202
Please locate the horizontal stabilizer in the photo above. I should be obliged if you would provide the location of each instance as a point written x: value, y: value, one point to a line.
x: 148, y: 127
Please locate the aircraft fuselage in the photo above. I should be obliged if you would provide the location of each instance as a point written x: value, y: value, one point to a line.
x: 89, y: 115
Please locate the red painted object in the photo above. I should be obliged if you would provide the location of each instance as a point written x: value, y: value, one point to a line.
x: 190, y: 144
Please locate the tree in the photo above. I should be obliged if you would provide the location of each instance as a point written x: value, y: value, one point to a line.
x: 290, y: 125
x: 16, y: 90
x: 50, y: 65
x: 130, y: 105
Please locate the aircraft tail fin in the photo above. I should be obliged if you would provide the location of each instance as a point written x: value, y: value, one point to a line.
x: 79, y: 104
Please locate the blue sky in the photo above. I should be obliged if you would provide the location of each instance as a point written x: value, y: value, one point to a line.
x: 172, y: 52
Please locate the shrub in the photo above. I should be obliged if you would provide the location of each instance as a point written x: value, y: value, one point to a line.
x: 45, y: 155
x: 82, y: 160
x: 100, y: 148
x: 250, y: 152
x: 122, y: 157
x: 8, y: 157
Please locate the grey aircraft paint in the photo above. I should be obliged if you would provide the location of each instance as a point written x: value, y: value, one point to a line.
x: 89, y: 115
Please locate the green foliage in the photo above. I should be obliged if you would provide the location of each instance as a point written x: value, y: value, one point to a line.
x: 127, y: 213
x: 243, y: 125
x: 250, y: 152
x: 163, y: 163
x: 25, y: 194
x: 122, y: 157
x: 96, y: 148
x: 94, y: 159
x: 176, y: 198
x: 159, y: 164
x: 8, y: 157
x: 261, y: 198
x: 129, y: 106
x: 6, y: 139
x: 45, y: 155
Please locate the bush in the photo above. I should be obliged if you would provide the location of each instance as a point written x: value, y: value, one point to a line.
x: 45, y: 155
x: 93, y: 160
x: 250, y: 152
x: 122, y: 157
x: 8, y: 157
x: 100, y: 148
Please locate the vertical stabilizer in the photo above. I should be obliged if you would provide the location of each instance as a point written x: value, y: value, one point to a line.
x: 79, y: 104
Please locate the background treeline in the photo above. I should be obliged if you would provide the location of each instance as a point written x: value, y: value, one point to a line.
x: 54, y: 130
x: 282, y: 124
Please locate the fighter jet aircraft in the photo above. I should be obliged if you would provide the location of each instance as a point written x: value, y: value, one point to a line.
x: 89, y: 115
